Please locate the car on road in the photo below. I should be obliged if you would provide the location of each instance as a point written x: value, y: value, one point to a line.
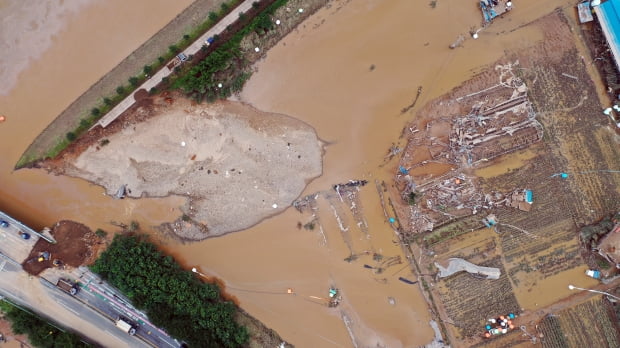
x: 209, y: 41
x: 4, y: 224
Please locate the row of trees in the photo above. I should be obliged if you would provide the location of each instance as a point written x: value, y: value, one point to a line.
x: 39, y: 332
x: 174, y: 299
x: 225, y: 64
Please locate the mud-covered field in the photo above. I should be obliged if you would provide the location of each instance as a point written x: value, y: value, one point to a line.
x: 537, y: 251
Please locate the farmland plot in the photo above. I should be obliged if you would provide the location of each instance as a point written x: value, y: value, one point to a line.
x: 589, y: 324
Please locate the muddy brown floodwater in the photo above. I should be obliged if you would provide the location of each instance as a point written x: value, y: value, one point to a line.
x: 348, y: 72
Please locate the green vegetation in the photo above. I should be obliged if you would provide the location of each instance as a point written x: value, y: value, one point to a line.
x: 134, y: 226
x: 71, y: 136
x: 39, y: 332
x: 411, y: 198
x: 225, y: 65
x: 101, y: 233
x: 174, y: 299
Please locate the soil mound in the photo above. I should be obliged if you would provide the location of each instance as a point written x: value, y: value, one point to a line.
x: 76, y: 245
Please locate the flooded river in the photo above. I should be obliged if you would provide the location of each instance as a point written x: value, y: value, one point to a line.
x: 348, y: 72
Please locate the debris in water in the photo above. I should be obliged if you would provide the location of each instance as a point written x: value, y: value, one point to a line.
x: 405, y: 280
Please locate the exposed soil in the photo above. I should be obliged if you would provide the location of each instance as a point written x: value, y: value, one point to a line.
x: 217, y: 155
x: 8, y: 335
x: 76, y: 245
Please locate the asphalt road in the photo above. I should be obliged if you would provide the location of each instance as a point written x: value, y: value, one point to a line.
x: 111, y: 303
x: 55, y: 305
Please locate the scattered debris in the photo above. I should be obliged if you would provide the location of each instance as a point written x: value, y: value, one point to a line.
x: 499, y: 326
x: 405, y: 280
x: 121, y: 192
x: 350, y: 184
x: 415, y: 100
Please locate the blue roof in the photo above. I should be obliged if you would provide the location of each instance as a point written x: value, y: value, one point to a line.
x: 608, y: 14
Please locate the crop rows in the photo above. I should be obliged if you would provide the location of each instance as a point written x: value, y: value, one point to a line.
x: 586, y: 325
x: 470, y: 301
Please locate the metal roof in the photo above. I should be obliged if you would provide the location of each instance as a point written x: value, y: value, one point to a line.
x: 608, y: 14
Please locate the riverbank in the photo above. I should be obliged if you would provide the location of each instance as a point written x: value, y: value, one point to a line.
x: 146, y: 54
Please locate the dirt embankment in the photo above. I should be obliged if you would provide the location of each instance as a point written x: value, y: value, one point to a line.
x: 146, y: 54
x: 76, y: 245
x: 236, y: 165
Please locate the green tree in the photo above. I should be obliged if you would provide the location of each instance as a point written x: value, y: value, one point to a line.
x: 107, y: 101
x: 173, y: 298
x: 173, y: 49
x: 71, y: 136
x: 213, y: 16
x: 95, y: 112
x: 147, y: 69
x: 120, y: 90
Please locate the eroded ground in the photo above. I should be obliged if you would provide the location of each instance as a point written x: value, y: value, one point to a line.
x: 235, y: 165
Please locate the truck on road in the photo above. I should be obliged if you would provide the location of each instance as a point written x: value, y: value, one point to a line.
x: 125, y: 325
x: 68, y: 286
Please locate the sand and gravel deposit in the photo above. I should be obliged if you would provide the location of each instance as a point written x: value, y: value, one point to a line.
x: 236, y: 165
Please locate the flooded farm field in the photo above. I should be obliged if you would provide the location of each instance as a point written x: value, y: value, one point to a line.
x: 349, y: 72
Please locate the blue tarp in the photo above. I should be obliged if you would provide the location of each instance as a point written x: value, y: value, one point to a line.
x: 608, y: 14
x: 529, y: 196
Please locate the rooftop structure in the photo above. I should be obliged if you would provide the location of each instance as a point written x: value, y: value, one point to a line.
x: 608, y: 14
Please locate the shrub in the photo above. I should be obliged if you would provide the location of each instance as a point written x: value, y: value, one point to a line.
x: 161, y: 60
x: 101, y: 233
x: 255, y: 4
x: 95, y: 112
x: 153, y: 90
x: 186, y: 37
x: 104, y: 142
x: 120, y: 90
x: 71, y: 136
x: 84, y: 123
x: 133, y: 81
x: 134, y: 226
x: 147, y: 70
x: 173, y: 49
x: 225, y: 7
x: 107, y: 101
x: 213, y: 16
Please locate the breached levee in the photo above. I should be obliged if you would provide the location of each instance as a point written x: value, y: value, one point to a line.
x: 236, y: 165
